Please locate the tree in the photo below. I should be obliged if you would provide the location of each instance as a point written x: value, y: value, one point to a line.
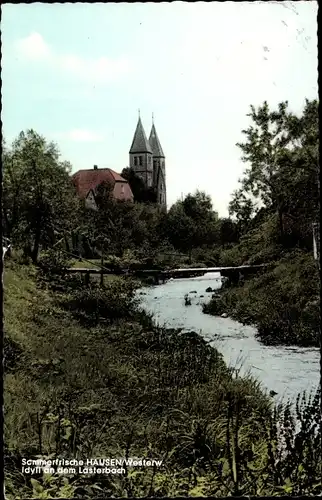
x: 104, y: 196
x: 141, y: 193
x: 198, y: 206
x: 180, y: 228
x: 243, y: 208
x: 281, y: 151
x: 39, y: 201
x: 192, y: 222
x: 119, y: 226
x: 228, y: 232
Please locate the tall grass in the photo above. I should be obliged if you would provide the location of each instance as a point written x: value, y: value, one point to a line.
x: 97, y: 378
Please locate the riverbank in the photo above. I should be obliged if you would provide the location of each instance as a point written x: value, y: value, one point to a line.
x: 283, y: 303
x: 88, y: 375
x: 287, y: 370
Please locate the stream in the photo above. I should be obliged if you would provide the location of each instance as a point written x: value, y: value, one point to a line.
x: 287, y: 370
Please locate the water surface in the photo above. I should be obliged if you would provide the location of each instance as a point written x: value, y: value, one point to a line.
x: 286, y: 370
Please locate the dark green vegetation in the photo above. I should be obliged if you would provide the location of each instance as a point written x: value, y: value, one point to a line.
x: 271, y: 220
x: 38, y: 200
x: 41, y: 211
x: 88, y: 375
x: 276, y: 205
x: 289, y: 313
x: 85, y: 378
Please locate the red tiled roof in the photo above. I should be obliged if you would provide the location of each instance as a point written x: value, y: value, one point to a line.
x: 85, y: 180
x: 117, y: 177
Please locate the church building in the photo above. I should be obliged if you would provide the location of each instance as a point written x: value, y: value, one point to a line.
x: 148, y: 161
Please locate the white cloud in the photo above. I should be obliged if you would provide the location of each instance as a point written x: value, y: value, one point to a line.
x: 95, y: 71
x: 80, y: 135
x: 33, y: 47
x: 101, y: 70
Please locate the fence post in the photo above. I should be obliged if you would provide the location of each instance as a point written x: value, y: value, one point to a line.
x: 102, y: 264
x: 316, y: 242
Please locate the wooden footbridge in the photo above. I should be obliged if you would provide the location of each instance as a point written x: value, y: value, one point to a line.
x: 234, y: 274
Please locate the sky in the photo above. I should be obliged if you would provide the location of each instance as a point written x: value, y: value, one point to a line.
x: 78, y: 73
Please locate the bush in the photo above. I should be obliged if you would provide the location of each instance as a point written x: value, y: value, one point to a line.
x: 216, y: 307
x: 115, y: 300
x: 208, y: 256
x: 54, y: 262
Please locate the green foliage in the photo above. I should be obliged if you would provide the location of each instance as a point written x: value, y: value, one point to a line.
x: 119, y: 227
x: 281, y: 151
x: 179, y: 227
x: 258, y: 246
x: 229, y: 233
x: 54, y: 261
x: 131, y: 388
x: 39, y: 202
x: 205, y: 256
x: 141, y: 193
x: 192, y: 222
x: 12, y: 352
x: 152, y: 237
x: 116, y: 299
x: 289, y: 313
x: 275, y: 207
x: 89, y: 374
x: 45, y: 487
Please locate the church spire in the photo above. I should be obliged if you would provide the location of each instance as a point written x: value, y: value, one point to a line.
x: 140, y: 142
x: 155, y: 143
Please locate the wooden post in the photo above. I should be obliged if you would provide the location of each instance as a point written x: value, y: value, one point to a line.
x: 87, y: 279
x: 102, y: 264
x: 316, y: 242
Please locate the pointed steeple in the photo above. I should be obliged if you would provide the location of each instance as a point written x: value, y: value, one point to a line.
x: 140, y: 142
x: 155, y: 143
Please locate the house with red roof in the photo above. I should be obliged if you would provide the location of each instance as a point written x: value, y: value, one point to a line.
x: 86, y: 183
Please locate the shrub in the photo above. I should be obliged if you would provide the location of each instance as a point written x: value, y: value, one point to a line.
x: 54, y: 261
x: 115, y: 300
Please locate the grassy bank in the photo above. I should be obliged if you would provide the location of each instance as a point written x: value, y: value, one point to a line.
x: 283, y: 303
x: 87, y: 375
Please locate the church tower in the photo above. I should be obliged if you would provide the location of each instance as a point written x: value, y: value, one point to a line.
x: 141, y: 157
x: 159, y: 179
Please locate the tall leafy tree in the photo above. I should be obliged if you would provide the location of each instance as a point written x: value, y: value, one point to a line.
x: 141, y: 193
x: 180, y: 228
x: 281, y: 152
x: 192, y: 222
x: 228, y: 232
x: 39, y: 202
